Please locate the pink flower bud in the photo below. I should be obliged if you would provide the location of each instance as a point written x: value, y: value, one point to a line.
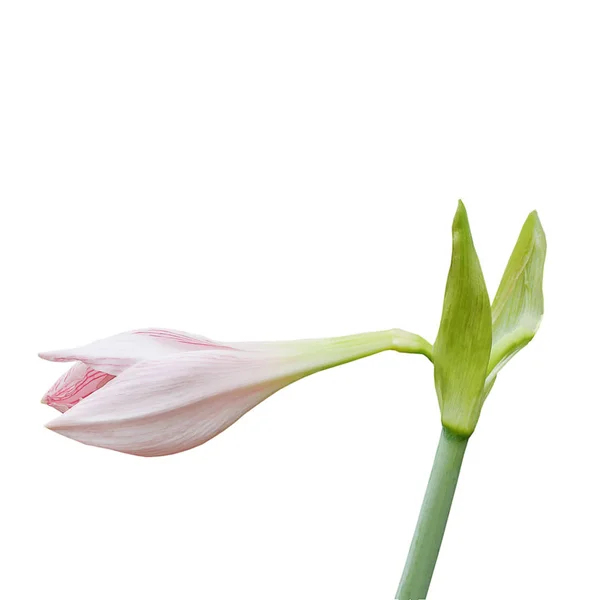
x: 155, y: 392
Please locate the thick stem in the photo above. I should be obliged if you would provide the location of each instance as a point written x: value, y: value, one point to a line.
x: 431, y: 525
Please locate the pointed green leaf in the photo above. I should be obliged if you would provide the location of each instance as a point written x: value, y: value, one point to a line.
x: 519, y: 303
x: 462, y: 349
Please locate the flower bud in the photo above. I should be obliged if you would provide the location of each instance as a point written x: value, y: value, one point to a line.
x: 166, y: 391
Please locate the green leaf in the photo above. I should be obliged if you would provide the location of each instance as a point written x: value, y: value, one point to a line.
x: 519, y: 303
x: 462, y: 349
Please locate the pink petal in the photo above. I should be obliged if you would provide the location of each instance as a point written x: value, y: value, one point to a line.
x: 116, y: 353
x: 77, y: 383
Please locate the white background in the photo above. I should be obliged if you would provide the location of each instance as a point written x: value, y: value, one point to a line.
x: 278, y: 170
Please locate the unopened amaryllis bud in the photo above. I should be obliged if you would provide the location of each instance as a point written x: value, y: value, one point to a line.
x: 156, y: 391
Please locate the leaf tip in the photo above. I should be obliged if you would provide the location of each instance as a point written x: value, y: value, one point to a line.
x: 460, y: 217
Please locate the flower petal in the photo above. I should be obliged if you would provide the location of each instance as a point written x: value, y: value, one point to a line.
x: 118, y: 352
x: 77, y: 383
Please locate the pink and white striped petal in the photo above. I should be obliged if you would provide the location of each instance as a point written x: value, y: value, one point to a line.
x: 119, y: 352
x: 77, y: 383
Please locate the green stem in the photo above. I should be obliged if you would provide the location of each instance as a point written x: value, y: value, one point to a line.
x: 429, y: 533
